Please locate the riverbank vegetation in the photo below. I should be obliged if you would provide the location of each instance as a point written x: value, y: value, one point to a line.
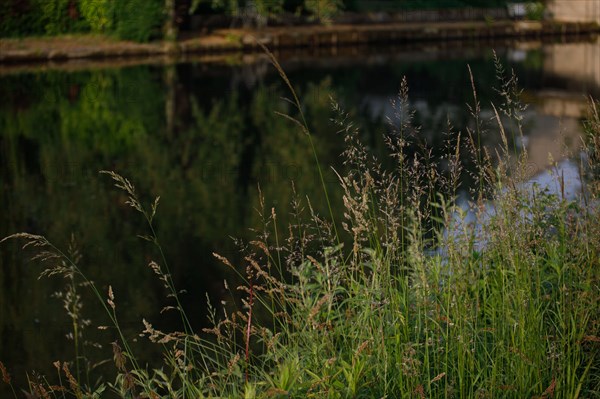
x: 412, y: 293
x: 143, y: 20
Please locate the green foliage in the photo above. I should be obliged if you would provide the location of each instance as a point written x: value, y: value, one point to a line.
x: 31, y: 17
x: 592, y: 141
x: 142, y: 20
x: 230, y: 7
x: 535, y: 11
x: 323, y: 10
x: 138, y: 20
x: 19, y: 17
x: 55, y: 16
x: 269, y: 7
x: 98, y: 14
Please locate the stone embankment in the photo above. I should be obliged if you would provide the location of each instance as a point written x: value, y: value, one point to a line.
x: 222, y: 41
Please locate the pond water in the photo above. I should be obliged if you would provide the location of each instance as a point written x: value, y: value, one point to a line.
x: 206, y: 138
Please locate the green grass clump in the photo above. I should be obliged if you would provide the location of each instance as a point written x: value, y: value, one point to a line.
x: 410, y: 295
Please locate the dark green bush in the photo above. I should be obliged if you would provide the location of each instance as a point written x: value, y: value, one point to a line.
x: 99, y: 14
x: 535, y: 11
x: 138, y: 20
x: 17, y: 18
x: 35, y: 17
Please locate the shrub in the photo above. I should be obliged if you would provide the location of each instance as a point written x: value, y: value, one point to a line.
x: 323, y: 10
x: 31, y: 17
x: 55, y: 16
x: 535, y: 11
x: 19, y: 17
x: 99, y: 14
x: 138, y: 20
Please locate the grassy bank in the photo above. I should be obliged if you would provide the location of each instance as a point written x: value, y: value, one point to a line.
x: 410, y: 295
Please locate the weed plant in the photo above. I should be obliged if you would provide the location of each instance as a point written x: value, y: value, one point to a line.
x: 409, y: 296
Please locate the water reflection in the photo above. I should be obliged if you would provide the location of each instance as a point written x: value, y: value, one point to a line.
x: 206, y: 138
x: 563, y: 180
x: 573, y: 67
x: 554, y: 132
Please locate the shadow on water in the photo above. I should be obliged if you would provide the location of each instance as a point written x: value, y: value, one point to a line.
x: 207, y: 140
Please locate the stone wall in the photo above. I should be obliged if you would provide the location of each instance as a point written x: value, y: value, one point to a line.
x: 575, y: 10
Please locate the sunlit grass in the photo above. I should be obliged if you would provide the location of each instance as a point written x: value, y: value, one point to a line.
x: 404, y: 297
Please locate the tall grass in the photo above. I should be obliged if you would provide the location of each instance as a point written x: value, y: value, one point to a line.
x: 415, y: 297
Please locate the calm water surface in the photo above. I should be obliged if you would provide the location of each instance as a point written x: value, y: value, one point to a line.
x: 205, y: 137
